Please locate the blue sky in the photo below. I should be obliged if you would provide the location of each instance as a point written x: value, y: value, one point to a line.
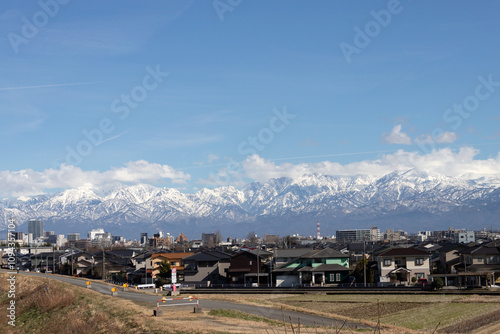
x: 193, y: 94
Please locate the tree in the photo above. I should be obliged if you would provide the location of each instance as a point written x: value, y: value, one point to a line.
x: 165, y: 269
x: 252, y: 237
x: 165, y: 274
x: 359, y: 271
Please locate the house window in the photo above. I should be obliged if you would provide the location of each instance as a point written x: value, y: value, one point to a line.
x: 492, y: 259
x: 250, y: 263
x: 419, y: 261
x: 337, y: 277
x: 332, y: 277
x: 387, y: 262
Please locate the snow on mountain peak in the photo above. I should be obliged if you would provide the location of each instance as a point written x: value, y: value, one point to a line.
x: 309, y: 194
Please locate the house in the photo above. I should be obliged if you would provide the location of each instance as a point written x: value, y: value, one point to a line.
x: 139, y: 261
x: 282, y: 256
x: 325, y: 266
x: 175, y: 260
x: 116, y: 263
x: 402, y: 264
x: 480, y: 264
x: 208, y: 266
x: 448, y: 257
x: 249, y: 267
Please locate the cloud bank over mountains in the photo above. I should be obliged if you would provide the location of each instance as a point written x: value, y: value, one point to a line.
x: 461, y: 163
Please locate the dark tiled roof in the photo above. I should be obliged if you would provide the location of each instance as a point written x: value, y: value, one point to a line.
x: 330, y: 267
x: 357, y: 246
x: 403, y: 252
x: 324, y: 253
x: 481, y: 250
x: 128, y: 253
x: 306, y: 269
x: 285, y: 270
x: 142, y: 256
x: 208, y: 256
x: 448, y: 247
x: 429, y: 248
x: 292, y: 252
x: 259, y: 252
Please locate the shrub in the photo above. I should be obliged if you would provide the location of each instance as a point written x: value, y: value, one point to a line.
x: 437, y: 283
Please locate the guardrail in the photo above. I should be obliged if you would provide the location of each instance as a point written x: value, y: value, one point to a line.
x: 165, y: 300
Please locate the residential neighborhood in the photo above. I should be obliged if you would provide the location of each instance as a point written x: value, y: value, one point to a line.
x: 460, y: 259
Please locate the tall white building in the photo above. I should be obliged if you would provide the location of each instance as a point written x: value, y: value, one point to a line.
x: 372, y: 234
x: 99, y: 234
x: 464, y: 237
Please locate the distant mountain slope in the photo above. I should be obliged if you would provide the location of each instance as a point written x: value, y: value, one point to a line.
x: 409, y: 200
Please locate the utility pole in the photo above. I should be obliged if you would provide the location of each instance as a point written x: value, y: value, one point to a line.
x: 103, y: 263
x: 258, y: 266
x: 364, y: 262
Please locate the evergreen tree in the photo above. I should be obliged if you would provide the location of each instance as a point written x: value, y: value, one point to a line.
x: 165, y: 269
x: 359, y: 271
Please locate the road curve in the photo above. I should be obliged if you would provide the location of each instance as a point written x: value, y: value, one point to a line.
x: 267, y: 312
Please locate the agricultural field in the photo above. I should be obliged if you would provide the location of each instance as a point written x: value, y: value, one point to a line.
x: 49, y: 306
x: 415, y: 313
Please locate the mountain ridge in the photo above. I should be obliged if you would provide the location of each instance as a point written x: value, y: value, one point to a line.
x: 408, y: 199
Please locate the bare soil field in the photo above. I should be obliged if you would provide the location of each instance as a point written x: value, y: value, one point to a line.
x: 405, y: 313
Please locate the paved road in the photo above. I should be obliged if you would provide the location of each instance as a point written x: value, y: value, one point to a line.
x: 267, y: 312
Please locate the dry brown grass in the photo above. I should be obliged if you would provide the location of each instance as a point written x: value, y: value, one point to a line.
x: 399, y: 313
x: 68, y: 309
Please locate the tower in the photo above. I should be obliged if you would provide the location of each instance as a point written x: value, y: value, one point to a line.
x: 318, y: 234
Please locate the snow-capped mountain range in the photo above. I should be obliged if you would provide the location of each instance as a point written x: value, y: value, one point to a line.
x: 410, y: 200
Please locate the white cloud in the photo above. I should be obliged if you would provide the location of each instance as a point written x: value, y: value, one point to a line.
x: 396, y: 136
x: 446, y: 137
x: 28, y: 182
x: 459, y: 164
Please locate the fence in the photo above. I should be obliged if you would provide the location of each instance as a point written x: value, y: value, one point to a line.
x: 165, y: 300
